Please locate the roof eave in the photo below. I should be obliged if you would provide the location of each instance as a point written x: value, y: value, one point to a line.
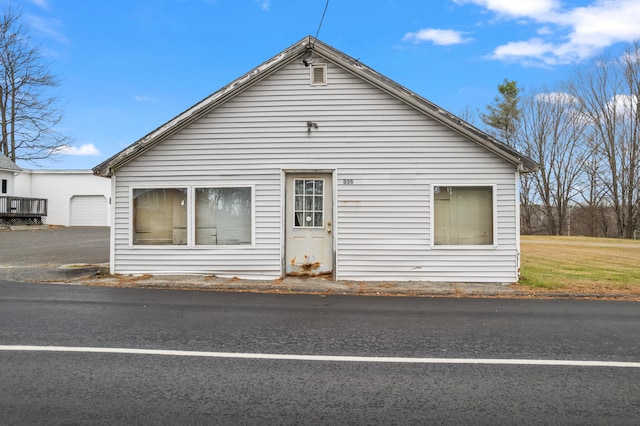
x: 107, y: 167
x: 6, y: 165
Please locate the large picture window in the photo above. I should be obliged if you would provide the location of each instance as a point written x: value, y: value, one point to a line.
x: 223, y: 216
x: 160, y: 216
x: 463, y: 215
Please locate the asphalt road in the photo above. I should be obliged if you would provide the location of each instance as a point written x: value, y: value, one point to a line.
x: 201, y: 387
x: 37, y: 255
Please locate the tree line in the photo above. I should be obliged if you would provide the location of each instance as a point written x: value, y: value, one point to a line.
x: 585, y: 135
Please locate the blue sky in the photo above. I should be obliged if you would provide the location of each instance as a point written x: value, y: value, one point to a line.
x: 128, y: 66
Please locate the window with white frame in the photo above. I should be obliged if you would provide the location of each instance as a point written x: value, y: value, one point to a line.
x: 463, y: 215
x: 160, y: 216
x: 223, y: 216
x: 308, y: 203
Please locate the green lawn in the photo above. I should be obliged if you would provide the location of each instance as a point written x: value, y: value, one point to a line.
x: 580, y: 264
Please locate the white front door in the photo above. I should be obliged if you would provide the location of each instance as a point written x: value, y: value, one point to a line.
x: 309, y: 224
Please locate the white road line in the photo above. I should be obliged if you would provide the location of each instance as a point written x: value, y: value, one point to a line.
x: 397, y: 360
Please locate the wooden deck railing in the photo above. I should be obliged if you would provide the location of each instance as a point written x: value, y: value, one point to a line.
x: 11, y: 207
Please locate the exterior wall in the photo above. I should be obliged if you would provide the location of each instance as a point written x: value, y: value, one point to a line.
x: 385, y: 155
x: 59, y: 186
x: 9, y: 176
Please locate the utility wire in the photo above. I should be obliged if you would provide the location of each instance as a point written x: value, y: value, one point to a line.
x: 326, y: 5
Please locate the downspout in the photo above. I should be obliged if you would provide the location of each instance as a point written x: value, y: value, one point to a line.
x: 517, y: 218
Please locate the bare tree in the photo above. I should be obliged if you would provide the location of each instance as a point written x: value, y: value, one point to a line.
x: 609, y: 94
x: 468, y: 116
x: 591, y: 192
x: 28, y: 111
x: 551, y: 131
x: 528, y: 210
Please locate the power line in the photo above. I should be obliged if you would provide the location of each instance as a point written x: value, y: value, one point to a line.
x: 326, y: 5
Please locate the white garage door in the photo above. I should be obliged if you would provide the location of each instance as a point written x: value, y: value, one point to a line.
x: 88, y: 210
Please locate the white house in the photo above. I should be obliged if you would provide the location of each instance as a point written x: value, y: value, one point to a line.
x: 314, y: 164
x: 8, y: 171
x: 16, y: 210
x: 75, y: 197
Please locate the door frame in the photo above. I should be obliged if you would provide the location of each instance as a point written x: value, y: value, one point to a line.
x: 283, y: 216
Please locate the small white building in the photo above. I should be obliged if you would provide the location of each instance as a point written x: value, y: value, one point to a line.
x: 314, y: 164
x: 14, y: 209
x: 75, y: 197
x: 8, y: 171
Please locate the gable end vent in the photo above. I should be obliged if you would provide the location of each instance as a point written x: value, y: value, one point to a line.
x: 318, y: 75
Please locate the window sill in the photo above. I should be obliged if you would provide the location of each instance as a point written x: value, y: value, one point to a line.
x: 464, y: 247
x: 186, y: 247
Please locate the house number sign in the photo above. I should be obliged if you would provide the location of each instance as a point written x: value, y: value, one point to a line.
x: 347, y: 181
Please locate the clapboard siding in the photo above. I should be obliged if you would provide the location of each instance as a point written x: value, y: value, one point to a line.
x: 391, y: 152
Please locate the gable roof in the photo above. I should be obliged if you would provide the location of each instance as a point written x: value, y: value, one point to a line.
x: 7, y: 164
x: 312, y: 46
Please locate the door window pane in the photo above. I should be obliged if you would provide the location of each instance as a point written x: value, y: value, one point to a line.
x: 308, y: 203
x: 463, y: 215
x: 160, y: 216
x: 223, y: 216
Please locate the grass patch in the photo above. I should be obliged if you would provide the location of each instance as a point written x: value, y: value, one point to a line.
x: 580, y: 264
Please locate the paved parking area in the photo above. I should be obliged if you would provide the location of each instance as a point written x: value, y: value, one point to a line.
x: 54, y: 253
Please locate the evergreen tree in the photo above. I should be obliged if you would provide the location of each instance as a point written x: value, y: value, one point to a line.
x: 504, y: 112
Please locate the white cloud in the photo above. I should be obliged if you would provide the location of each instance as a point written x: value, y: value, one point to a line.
x: 139, y: 98
x: 88, y: 149
x: 544, y: 31
x: 565, y: 35
x: 44, y: 4
x: 624, y: 105
x: 264, y: 5
x: 437, y: 36
x: 516, y: 8
x: 630, y: 58
x: 557, y: 98
x: 514, y: 49
x: 604, y: 24
x: 47, y: 27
